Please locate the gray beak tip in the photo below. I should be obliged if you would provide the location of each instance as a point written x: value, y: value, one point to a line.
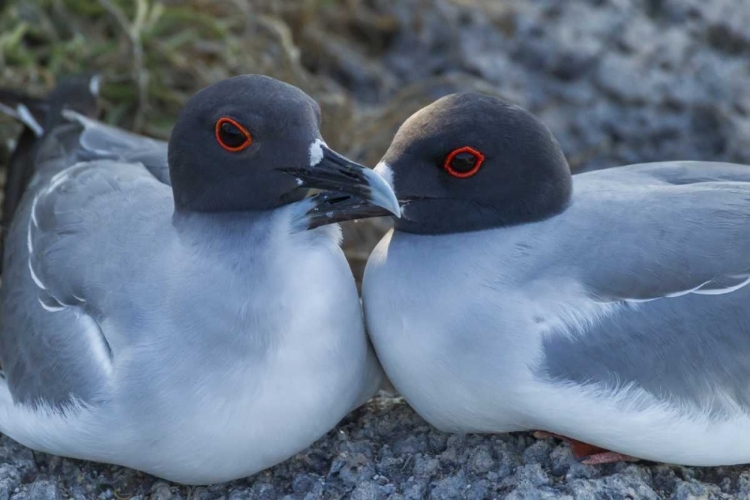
x: 349, y: 190
x: 382, y: 193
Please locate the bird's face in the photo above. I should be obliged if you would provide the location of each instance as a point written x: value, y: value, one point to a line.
x: 254, y: 143
x: 469, y: 162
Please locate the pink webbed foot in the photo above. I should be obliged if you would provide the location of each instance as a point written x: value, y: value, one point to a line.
x: 587, y: 453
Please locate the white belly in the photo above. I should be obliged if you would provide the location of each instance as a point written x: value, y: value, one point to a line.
x: 217, y: 426
x: 463, y: 348
x: 260, y: 378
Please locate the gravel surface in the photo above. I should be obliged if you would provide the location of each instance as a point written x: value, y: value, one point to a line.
x: 386, y: 451
x: 618, y: 81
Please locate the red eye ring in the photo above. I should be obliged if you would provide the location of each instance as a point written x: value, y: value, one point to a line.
x: 466, y: 149
x: 222, y: 142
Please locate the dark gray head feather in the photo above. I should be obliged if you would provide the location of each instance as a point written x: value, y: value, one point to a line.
x: 283, y: 122
x: 524, y: 176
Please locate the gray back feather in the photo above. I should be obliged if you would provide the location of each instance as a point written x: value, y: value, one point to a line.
x: 671, y: 244
x: 692, y: 350
x: 100, y: 141
x: 48, y: 354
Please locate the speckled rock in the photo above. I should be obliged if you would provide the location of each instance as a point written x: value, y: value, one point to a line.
x: 38, y: 490
x: 638, y: 81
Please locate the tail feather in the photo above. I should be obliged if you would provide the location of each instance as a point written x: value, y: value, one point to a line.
x: 79, y: 93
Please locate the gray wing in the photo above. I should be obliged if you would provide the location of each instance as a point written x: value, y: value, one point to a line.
x: 682, y: 172
x: 672, y: 253
x: 70, y: 240
x: 693, y: 351
x: 100, y: 141
x: 661, y: 230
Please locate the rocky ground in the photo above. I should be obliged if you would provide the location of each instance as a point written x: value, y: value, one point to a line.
x: 617, y: 81
x: 385, y: 451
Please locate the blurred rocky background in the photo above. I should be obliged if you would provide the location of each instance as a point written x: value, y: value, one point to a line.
x: 617, y: 81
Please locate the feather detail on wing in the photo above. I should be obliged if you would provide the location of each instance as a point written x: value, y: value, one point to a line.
x: 100, y: 141
x: 670, y: 232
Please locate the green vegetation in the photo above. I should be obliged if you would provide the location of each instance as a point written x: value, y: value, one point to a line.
x: 153, y: 55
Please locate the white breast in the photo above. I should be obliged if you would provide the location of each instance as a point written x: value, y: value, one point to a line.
x: 459, y: 332
x: 312, y: 368
x: 257, y: 371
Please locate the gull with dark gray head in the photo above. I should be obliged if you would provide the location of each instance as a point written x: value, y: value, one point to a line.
x: 201, y: 331
x: 609, y: 307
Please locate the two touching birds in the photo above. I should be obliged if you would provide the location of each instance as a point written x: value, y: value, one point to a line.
x: 185, y: 309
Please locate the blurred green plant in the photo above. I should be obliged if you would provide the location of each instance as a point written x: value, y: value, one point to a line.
x: 152, y: 54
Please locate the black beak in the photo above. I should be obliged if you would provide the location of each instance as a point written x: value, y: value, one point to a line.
x: 349, y: 190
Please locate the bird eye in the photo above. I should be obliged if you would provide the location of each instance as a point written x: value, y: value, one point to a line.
x: 231, y: 135
x: 463, y: 162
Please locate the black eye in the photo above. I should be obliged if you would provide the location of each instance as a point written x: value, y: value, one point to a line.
x: 231, y: 135
x: 463, y: 162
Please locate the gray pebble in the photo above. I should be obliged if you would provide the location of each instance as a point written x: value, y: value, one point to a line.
x: 690, y: 490
x: 371, y: 491
x: 425, y: 466
x: 352, y: 468
x: 161, y: 491
x: 538, y: 452
x: 481, y: 460
x: 39, y: 490
x: 10, y: 478
x: 447, y: 488
x: 616, y: 486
